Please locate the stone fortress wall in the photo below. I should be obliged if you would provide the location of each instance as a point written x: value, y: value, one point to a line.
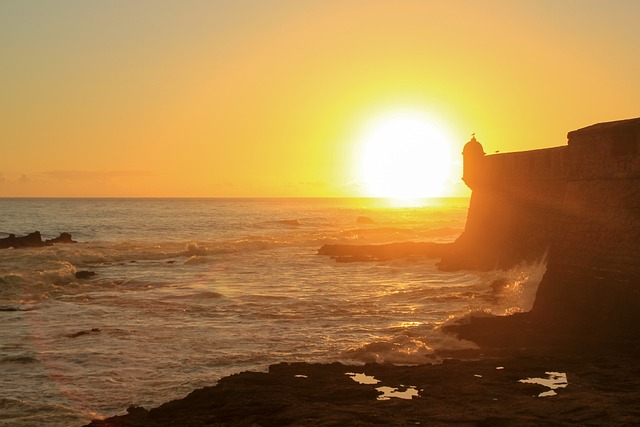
x: 577, y: 204
x: 515, y: 207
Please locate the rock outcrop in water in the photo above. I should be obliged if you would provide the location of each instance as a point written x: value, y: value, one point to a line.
x: 33, y: 240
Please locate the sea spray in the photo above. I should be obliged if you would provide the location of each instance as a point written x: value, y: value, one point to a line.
x: 515, y: 290
x: 489, y: 294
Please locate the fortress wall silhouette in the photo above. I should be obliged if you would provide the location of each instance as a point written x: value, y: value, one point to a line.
x: 580, y: 205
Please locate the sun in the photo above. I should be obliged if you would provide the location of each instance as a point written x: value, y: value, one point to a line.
x: 404, y: 156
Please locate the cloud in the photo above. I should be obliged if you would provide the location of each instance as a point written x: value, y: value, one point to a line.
x: 77, y: 183
x: 316, y: 184
x: 80, y: 175
x: 15, y: 179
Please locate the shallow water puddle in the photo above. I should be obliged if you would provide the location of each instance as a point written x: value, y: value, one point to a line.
x: 554, y: 381
x: 387, y: 392
x: 362, y: 378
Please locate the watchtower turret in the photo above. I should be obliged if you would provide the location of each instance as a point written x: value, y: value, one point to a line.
x: 472, y: 155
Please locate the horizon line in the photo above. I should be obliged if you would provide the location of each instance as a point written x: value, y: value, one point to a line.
x: 232, y: 197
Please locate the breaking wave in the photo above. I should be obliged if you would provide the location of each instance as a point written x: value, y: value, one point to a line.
x: 496, y: 293
x: 408, y: 348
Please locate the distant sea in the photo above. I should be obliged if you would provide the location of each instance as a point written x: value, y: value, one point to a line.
x: 189, y: 290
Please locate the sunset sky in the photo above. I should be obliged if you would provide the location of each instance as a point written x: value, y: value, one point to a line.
x: 256, y: 98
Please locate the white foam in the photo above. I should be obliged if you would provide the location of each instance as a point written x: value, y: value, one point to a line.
x: 197, y: 260
x: 516, y: 288
x: 195, y: 249
x: 63, y: 274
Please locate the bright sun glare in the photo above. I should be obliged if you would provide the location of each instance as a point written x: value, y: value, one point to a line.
x: 404, y: 156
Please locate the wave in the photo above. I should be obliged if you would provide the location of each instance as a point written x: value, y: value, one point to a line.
x: 290, y: 222
x: 61, y: 274
x: 27, y: 285
x: 408, y: 349
x: 198, y: 260
x: 387, y: 231
x: 514, y: 290
x: 24, y: 412
x: 84, y: 332
x: 249, y: 244
x: 67, y: 257
x: 10, y: 308
x: 20, y: 359
x: 493, y: 293
x: 312, y: 232
x: 11, y: 279
x: 195, y: 296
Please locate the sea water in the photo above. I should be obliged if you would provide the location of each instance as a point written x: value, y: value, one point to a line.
x: 189, y: 290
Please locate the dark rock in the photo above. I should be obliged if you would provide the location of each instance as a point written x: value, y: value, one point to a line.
x: 84, y: 274
x: 32, y: 240
x: 86, y: 332
x: 22, y: 359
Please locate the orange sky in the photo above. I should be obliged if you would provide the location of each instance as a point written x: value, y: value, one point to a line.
x: 268, y: 98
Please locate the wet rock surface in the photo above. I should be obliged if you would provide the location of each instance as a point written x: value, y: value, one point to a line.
x: 496, y: 390
x: 84, y: 274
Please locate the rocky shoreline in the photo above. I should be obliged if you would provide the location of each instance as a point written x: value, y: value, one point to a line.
x: 524, y: 374
x: 590, y: 370
x: 526, y: 388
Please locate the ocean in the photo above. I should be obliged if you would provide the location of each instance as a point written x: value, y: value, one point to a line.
x: 189, y: 290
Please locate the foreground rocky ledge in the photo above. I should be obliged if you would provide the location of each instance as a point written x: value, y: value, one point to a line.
x: 598, y: 390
